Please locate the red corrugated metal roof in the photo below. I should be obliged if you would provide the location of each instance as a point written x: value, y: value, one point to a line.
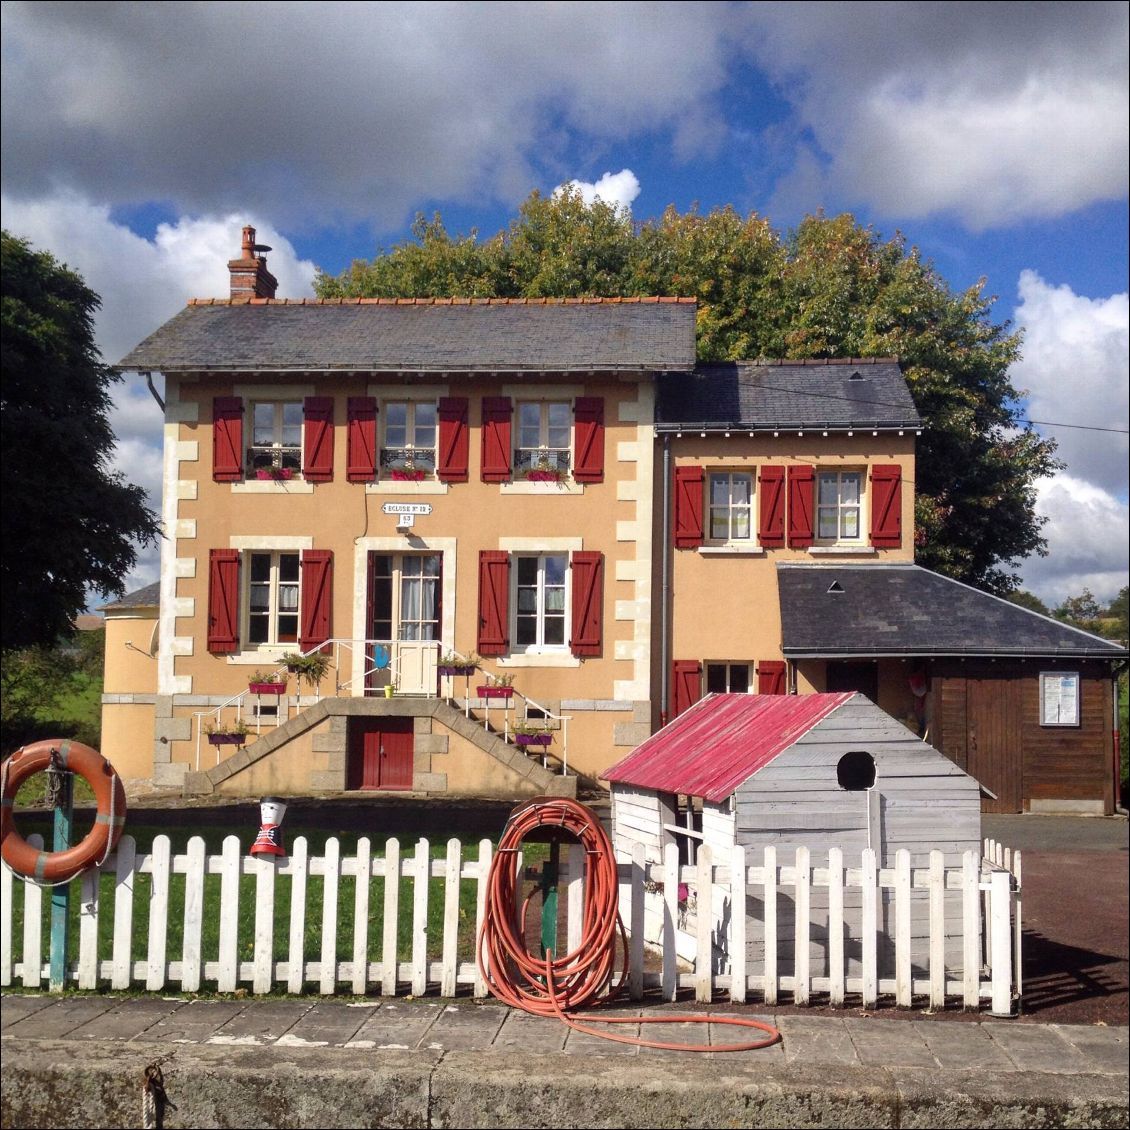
x: 722, y: 741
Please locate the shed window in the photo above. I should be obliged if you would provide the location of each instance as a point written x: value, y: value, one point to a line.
x: 856, y: 771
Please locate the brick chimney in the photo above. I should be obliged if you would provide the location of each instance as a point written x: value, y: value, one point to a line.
x: 249, y: 275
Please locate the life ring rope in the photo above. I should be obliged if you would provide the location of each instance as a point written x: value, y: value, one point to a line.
x: 57, y: 868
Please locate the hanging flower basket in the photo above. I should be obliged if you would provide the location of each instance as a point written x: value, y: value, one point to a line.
x: 495, y: 692
x: 267, y: 688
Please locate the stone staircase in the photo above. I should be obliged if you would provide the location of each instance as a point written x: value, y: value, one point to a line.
x: 540, y: 780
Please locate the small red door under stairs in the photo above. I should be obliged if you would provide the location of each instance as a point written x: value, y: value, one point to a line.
x: 381, y: 753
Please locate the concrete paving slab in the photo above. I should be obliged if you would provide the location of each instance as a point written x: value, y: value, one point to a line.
x: 61, y: 1016
x: 964, y: 1047
x: 1038, y: 1049
x: 195, y: 1022
x: 889, y: 1043
x: 326, y: 1024
x: 1106, y: 1049
x: 126, y: 1019
x: 806, y: 1041
x: 581, y: 1043
x: 15, y: 1008
x: 395, y: 1026
x: 534, y: 1035
x: 697, y: 1035
x: 261, y: 1022
x: 465, y: 1027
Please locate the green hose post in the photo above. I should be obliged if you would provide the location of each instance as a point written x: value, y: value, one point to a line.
x: 61, y: 895
x: 549, y: 876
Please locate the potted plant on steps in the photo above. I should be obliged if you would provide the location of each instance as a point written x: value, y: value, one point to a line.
x: 227, y: 733
x: 531, y: 732
x: 501, y: 686
x: 269, y: 682
x: 452, y: 663
x: 310, y: 669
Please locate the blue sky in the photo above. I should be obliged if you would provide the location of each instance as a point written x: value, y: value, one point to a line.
x: 137, y: 139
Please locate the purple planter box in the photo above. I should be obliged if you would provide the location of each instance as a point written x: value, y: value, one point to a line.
x: 227, y: 739
x: 532, y: 739
x: 453, y: 669
x: 267, y: 688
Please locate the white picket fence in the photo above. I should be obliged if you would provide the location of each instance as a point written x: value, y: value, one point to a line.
x: 989, y: 899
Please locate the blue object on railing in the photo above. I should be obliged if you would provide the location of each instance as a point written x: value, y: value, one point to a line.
x: 382, y: 656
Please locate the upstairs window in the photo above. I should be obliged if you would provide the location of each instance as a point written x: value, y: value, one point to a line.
x: 409, y: 449
x: 540, y: 604
x: 727, y: 678
x: 839, y: 501
x: 276, y: 438
x: 544, y: 439
x: 731, y: 507
x: 272, y: 598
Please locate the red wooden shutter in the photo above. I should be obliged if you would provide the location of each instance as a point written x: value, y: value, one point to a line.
x: 497, y: 411
x: 802, y: 490
x: 223, y: 601
x: 494, y: 602
x: 588, y: 599
x: 771, y: 507
x: 361, y: 439
x: 686, y: 685
x: 588, y: 437
x: 771, y: 676
x: 453, y: 439
x: 688, y: 507
x: 886, y: 505
x: 316, y: 621
x: 227, y: 439
x: 318, y: 439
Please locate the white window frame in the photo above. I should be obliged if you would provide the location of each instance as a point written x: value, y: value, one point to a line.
x: 272, y: 643
x: 1061, y: 698
x: 283, y: 456
x: 544, y: 455
x: 729, y: 665
x: 429, y: 456
x: 539, y: 646
x: 730, y: 509
x: 841, y: 507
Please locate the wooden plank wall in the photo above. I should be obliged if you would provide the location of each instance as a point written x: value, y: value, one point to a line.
x: 995, y: 699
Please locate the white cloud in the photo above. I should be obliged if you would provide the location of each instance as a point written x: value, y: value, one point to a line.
x: 342, y: 111
x: 143, y: 283
x: 1076, y: 355
x: 613, y: 188
x: 990, y: 112
x: 1087, y: 531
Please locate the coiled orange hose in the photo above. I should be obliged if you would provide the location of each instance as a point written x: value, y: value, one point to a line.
x: 558, y: 986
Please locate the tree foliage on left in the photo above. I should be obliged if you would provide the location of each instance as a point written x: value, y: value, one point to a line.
x: 70, y: 524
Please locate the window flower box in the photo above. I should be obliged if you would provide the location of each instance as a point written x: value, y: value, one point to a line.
x: 542, y: 475
x: 489, y: 691
x: 279, y: 474
x: 407, y: 475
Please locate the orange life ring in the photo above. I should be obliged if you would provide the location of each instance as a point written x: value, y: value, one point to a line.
x: 49, y: 867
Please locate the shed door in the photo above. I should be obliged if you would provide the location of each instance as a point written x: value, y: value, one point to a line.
x: 381, y: 754
x: 993, y: 740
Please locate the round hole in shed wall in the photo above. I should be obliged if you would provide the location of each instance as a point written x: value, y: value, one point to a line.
x: 856, y: 771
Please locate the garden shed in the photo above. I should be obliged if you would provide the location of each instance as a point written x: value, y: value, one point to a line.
x: 817, y: 771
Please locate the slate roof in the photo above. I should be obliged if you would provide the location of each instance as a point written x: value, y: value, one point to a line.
x: 868, y: 610
x: 423, y: 335
x: 721, y: 741
x: 147, y: 597
x: 834, y: 394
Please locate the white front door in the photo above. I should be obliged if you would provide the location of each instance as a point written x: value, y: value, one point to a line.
x: 404, y: 602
